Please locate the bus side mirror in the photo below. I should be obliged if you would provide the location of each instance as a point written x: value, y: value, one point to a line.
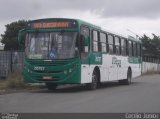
x: 21, y: 37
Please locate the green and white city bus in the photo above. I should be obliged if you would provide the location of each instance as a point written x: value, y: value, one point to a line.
x: 71, y: 51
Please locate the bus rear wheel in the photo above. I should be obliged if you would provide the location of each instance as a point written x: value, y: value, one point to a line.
x: 94, y: 83
x: 128, y: 80
x: 51, y: 86
x: 129, y: 77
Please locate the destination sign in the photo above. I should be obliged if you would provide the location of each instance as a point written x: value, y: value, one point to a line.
x: 54, y: 24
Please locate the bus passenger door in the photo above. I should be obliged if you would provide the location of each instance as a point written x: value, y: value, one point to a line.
x: 84, y: 44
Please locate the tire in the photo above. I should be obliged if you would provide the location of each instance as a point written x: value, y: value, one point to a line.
x: 51, y: 86
x: 94, y: 83
x: 129, y: 77
x: 128, y: 80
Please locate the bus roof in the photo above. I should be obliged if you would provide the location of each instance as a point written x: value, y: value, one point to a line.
x: 81, y: 22
x: 89, y: 24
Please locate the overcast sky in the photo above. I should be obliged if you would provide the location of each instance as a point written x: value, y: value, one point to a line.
x: 138, y: 16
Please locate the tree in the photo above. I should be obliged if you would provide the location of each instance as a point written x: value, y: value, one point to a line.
x: 151, y: 46
x: 10, y: 36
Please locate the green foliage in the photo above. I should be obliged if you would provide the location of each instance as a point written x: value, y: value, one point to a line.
x: 10, y: 36
x: 151, y: 46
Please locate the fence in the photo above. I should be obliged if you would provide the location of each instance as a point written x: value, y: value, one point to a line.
x: 150, y: 64
x: 10, y: 61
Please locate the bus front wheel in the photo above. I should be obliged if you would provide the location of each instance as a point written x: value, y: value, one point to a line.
x: 93, y: 84
x: 51, y: 86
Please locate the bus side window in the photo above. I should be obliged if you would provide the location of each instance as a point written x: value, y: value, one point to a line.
x: 95, y: 41
x: 117, y: 45
x: 124, y: 47
x: 107, y: 45
x: 138, y: 49
x: 85, y: 31
x: 110, y: 44
x: 103, y: 42
x: 130, y: 47
x: 127, y: 48
x: 134, y: 49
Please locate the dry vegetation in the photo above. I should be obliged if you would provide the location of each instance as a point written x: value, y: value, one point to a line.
x: 15, y: 82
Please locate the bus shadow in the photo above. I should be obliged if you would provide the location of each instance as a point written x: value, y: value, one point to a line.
x: 81, y: 88
x: 114, y: 85
x: 63, y: 89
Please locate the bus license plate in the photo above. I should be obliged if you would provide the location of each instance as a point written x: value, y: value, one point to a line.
x: 47, y: 78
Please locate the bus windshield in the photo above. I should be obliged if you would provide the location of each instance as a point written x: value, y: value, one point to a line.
x: 54, y: 45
